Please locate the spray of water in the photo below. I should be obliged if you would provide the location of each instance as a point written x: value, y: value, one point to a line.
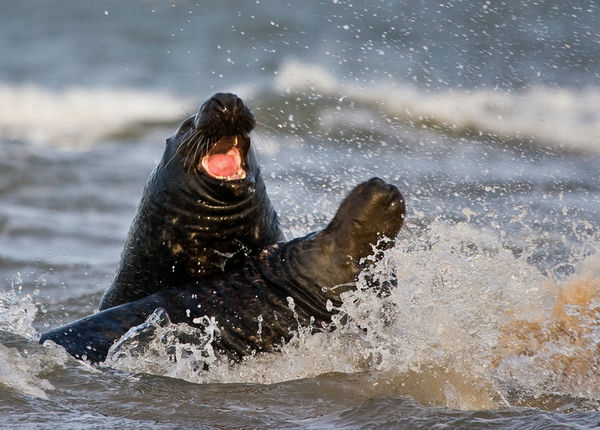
x: 443, y: 316
x: 451, y: 316
x: 20, y: 369
x: 17, y: 311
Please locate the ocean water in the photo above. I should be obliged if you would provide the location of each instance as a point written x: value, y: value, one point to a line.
x: 485, y: 114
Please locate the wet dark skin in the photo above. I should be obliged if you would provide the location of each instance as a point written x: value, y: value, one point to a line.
x: 252, y: 276
x: 188, y: 225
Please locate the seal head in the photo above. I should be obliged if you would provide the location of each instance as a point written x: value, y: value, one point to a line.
x: 204, y: 206
x: 215, y: 141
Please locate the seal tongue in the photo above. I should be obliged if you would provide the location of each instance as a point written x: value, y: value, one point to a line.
x: 224, y: 166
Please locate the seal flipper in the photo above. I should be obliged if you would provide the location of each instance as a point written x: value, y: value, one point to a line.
x: 322, y: 265
x: 91, y: 337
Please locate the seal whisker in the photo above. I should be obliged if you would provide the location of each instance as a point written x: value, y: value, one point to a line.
x: 172, y: 158
x: 190, y: 149
x: 267, y: 126
x: 181, y: 147
x: 199, y: 143
x: 189, y: 143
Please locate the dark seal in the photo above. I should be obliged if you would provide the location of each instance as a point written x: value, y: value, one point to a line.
x: 284, y: 286
x: 205, y: 245
x: 204, y: 206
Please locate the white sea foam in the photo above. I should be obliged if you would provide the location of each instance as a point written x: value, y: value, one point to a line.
x: 77, y: 116
x: 17, y: 312
x: 19, y: 372
x: 155, y: 346
x: 561, y: 117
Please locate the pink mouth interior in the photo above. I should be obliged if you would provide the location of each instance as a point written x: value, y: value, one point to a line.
x: 224, y: 166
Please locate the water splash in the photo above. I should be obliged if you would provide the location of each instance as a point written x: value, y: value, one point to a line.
x: 557, y: 354
x: 19, y: 373
x: 438, y: 328
x: 157, y: 346
x: 20, y: 366
x: 18, y: 311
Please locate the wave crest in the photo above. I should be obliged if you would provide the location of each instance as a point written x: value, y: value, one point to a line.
x: 78, y: 117
x: 560, y: 117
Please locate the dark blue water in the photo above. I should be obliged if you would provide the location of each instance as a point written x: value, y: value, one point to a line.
x: 485, y: 115
x: 194, y: 46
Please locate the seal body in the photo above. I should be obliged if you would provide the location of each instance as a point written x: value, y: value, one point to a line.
x: 259, y: 303
x: 204, y: 207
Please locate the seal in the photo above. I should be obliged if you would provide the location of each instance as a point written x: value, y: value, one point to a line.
x: 259, y: 303
x: 204, y: 206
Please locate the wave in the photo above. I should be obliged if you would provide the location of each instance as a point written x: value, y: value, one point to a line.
x: 77, y: 116
x: 560, y: 117
x: 468, y: 325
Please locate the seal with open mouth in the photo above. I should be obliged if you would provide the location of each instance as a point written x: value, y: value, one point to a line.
x: 204, y: 207
x: 205, y: 245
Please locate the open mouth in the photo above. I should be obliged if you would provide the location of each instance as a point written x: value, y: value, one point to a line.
x: 224, y: 160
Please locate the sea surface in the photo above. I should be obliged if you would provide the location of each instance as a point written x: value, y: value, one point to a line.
x: 486, y: 114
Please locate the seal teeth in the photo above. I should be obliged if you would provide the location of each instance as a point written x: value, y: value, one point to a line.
x: 240, y: 174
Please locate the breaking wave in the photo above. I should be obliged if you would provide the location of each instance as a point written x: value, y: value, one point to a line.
x: 560, y: 117
x: 77, y: 116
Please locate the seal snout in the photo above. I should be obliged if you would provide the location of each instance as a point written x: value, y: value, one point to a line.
x: 224, y: 114
x: 225, y: 102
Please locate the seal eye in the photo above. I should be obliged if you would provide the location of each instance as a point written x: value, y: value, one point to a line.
x: 185, y: 125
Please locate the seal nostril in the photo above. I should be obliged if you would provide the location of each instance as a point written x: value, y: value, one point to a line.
x: 226, y: 102
x: 218, y: 105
